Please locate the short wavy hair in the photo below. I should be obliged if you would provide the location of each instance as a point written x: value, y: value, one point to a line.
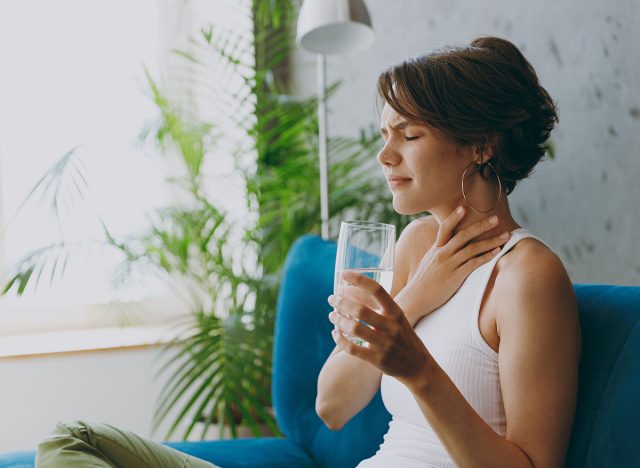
x: 486, y: 93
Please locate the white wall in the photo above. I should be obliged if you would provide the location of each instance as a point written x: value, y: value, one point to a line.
x: 115, y: 387
x: 586, y: 202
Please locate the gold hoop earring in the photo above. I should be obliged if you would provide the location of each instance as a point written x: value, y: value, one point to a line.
x: 499, y: 188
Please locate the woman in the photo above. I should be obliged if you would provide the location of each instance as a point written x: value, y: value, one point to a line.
x: 476, y: 349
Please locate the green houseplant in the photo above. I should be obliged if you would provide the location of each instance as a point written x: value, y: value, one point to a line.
x: 220, y: 369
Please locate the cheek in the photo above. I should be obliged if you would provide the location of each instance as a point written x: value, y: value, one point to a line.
x: 432, y: 165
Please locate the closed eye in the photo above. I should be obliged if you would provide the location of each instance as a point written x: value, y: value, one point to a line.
x: 408, y: 138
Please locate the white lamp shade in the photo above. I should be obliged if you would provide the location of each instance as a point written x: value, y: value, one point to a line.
x: 334, y: 26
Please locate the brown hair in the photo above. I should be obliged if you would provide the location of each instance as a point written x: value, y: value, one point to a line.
x: 486, y: 93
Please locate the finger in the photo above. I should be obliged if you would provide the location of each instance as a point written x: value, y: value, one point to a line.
x: 473, y: 249
x: 352, y: 327
x: 354, y: 349
x: 357, y: 295
x: 445, y: 231
x: 381, y: 296
x: 358, y: 312
x: 462, y: 238
x: 475, y: 262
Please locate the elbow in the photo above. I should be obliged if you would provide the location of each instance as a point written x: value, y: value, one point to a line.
x: 328, y: 417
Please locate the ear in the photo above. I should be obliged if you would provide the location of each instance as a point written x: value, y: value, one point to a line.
x: 483, y: 152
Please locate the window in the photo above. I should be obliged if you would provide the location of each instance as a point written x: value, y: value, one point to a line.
x: 73, y: 79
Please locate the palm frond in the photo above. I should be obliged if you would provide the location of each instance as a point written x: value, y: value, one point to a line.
x: 51, y: 259
x: 209, y: 364
x: 60, y: 186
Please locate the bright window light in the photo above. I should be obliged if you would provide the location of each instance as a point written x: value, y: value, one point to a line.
x: 72, y: 76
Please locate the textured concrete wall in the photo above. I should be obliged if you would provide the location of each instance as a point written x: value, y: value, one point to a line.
x: 585, y: 203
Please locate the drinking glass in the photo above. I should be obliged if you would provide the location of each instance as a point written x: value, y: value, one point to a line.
x: 365, y: 247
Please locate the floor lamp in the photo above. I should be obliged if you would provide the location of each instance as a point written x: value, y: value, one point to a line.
x: 331, y: 27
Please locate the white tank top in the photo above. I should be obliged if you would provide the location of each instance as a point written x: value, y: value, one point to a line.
x: 452, y: 336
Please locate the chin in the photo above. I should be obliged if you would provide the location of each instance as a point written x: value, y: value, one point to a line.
x: 406, y: 209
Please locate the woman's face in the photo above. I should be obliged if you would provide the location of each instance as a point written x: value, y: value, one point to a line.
x: 430, y: 164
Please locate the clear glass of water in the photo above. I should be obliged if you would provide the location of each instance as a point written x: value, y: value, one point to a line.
x: 365, y: 247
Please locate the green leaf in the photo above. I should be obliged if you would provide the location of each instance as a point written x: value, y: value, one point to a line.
x: 24, y: 279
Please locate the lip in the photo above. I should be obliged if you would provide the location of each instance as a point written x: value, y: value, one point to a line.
x: 398, y: 181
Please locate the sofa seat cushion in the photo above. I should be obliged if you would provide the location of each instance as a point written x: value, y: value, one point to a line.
x: 273, y: 452
x: 17, y: 459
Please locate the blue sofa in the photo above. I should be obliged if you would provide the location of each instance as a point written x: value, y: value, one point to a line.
x: 604, y: 432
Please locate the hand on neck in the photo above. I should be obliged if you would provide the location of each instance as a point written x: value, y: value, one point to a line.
x: 501, y: 210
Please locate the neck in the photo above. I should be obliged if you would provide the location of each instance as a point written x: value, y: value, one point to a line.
x: 501, y: 210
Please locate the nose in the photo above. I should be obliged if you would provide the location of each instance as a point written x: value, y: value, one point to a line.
x: 388, y: 155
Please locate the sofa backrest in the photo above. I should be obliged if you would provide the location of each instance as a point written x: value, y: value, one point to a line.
x: 605, y: 432
x: 302, y: 343
x: 609, y: 391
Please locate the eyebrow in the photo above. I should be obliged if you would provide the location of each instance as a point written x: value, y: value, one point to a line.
x: 399, y: 126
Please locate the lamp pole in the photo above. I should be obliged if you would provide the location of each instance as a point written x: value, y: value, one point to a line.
x: 330, y: 27
x: 322, y: 146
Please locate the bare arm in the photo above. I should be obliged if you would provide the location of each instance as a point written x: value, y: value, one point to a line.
x: 538, y: 362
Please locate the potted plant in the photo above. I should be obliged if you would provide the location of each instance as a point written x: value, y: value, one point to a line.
x: 220, y: 367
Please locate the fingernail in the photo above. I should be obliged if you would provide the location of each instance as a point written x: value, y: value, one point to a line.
x: 460, y: 210
x: 504, y: 235
x: 332, y: 316
x: 493, y: 220
x: 496, y: 250
x: 330, y: 299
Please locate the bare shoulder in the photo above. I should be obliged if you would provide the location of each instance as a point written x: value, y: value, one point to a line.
x: 532, y: 263
x: 532, y: 280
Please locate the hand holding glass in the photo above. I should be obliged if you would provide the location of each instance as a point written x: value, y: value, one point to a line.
x: 364, y: 247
